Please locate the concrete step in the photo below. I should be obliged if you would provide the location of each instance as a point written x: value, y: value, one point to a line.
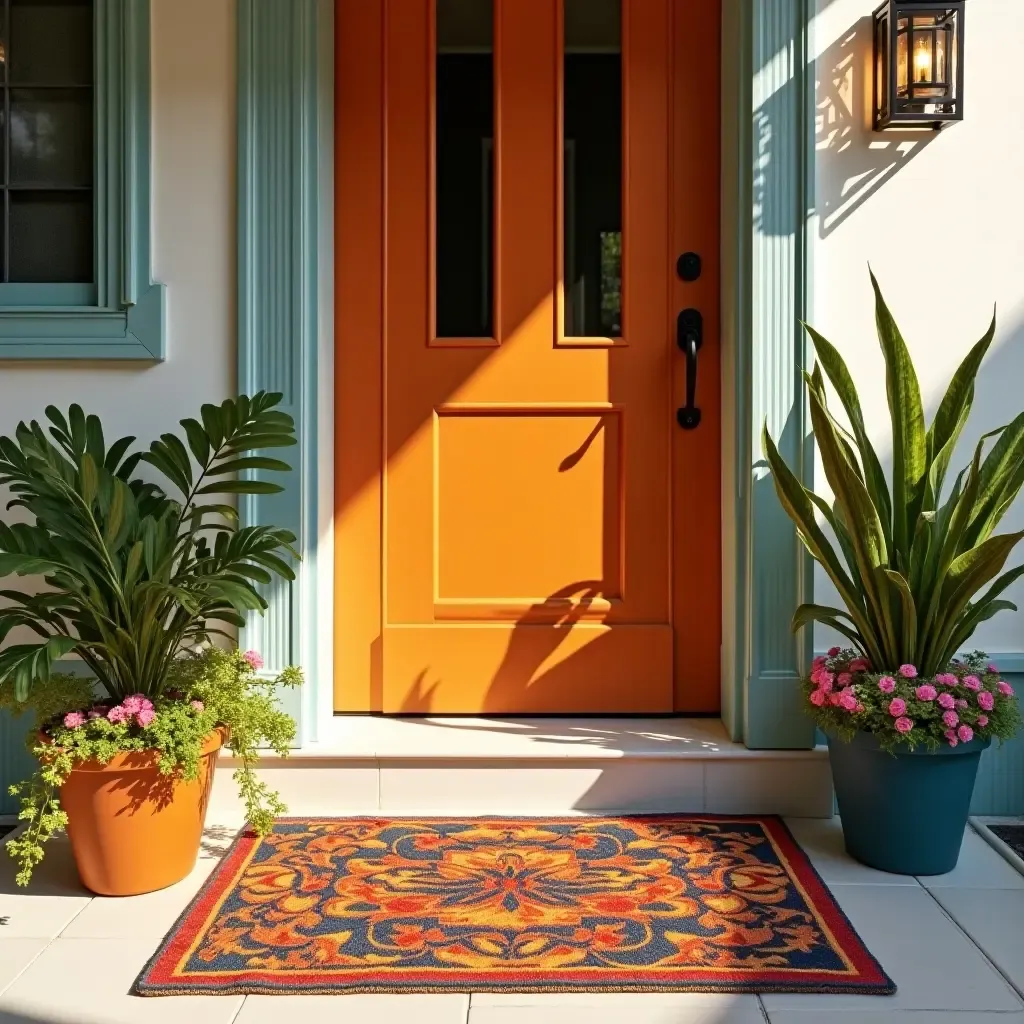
x: 368, y: 764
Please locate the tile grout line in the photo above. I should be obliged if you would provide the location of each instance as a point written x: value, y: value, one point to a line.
x: 762, y: 1008
x: 970, y: 938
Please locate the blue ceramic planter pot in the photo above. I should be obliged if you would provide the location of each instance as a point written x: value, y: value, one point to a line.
x: 904, y: 812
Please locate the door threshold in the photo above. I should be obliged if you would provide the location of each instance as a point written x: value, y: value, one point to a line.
x: 379, y: 738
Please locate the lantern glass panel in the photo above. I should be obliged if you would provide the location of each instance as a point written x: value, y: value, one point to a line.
x: 902, y: 61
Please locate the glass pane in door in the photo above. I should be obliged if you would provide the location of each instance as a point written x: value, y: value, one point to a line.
x: 592, y: 198
x: 464, y: 169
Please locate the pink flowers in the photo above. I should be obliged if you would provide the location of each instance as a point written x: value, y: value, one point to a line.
x: 908, y: 671
x: 817, y: 698
x: 961, y: 703
x: 74, y: 720
x: 887, y: 684
x: 992, y: 668
x: 834, y: 652
x: 946, y: 700
x: 844, y: 679
x: 951, y: 719
x: 859, y: 665
x: 847, y: 701
x: 926, y: 692
x: 897, y: 707
x: 972, y: 682
x: 986, y: 701
x: 904, y: 725
x: 136, y: 707
x: 1004, y: 688
x: 951, y: 736
x: 982, y: 721
x: 966, y: 733
x: 198, y: 705
x: 947, y: 679
x: 253, y: 659
x: 823, y: 678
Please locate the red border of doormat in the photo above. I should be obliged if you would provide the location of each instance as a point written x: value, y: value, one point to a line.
x: 158, y: 977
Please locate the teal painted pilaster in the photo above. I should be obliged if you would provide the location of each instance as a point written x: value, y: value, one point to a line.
x: 767, y: 164
x: 278, y: 92
x: 123, y: 315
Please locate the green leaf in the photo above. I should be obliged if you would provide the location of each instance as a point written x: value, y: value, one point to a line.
x: 180, y: 456
x: 954, y: 409
x: 197, y: 440
x: 90, y: 479
x: 838, y: 373
x: 908, y: 639
x: 117, y: 452
x: 909, y: 440
x: 252, y: 462
x: 214, y: 424
x: 94, y: 439
x: 799, y: 508
x: 241, y: 487
x: 78, y: 430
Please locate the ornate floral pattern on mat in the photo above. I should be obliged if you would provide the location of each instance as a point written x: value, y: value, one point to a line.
x: 652, y: 903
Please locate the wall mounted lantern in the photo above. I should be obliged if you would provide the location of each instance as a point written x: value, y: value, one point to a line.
x: 919, y: 64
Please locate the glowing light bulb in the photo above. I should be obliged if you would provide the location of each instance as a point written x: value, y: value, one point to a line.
x: 923, y: 63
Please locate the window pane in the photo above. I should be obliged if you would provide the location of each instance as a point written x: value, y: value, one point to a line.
x: 37, y: 221
x: 51, y: 136
x: 593, y: 168
x: 464, y: 170
x: 51, y: 42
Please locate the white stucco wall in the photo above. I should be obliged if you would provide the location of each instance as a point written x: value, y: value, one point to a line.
x: 193, y: 243
x: 941, y: 220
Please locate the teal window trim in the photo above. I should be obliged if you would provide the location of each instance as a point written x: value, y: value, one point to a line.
x: 124, y: 317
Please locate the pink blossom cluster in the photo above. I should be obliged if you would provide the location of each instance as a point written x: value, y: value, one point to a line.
x: 137, y: 709
x: 953, y: 704
x: 253, y: 659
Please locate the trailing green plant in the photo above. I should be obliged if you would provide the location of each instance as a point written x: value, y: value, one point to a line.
x: 207, y: 689
x: 911, y: 560
x: 136, y: 575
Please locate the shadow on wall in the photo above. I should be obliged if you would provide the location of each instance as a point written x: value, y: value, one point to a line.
x: 852, y: 162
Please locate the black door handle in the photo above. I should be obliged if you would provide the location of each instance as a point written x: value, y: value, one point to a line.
x: 690, y: 337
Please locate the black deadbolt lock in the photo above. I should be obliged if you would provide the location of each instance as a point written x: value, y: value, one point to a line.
x: 688, y: 266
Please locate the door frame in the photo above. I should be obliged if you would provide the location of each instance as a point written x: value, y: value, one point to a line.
x: 765, y: 290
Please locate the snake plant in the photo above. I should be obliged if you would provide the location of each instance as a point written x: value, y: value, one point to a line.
x: 910, y: 561
x: 135, y: 571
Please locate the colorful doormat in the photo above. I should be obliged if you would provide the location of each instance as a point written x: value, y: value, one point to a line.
x: 657, y: 903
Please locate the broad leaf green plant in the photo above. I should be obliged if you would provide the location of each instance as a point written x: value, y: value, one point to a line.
x: 918, y: 565
x: 135, y: 571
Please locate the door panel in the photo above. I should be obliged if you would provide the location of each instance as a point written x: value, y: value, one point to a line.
x: 524, y: 481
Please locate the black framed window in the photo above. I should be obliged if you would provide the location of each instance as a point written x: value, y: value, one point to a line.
x: 47, y: 139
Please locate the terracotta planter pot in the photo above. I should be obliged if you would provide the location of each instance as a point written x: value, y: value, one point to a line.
x: 133, y: 830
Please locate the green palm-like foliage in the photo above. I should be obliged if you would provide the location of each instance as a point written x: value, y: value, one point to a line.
x: 912, y: 561
x: 132, y: 573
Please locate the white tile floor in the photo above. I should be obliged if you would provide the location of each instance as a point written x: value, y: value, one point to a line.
x: 954, y: 945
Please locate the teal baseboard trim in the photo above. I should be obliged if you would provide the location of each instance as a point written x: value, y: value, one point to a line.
x: 768, y: 172
x: 778, y: 720
x: 127, y: 320
x: 278, y: 239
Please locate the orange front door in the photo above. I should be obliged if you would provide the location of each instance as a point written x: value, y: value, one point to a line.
x: 521, y: 525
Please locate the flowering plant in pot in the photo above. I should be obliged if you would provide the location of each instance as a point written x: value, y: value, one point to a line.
x: 139, y: 577
x: 918, y: 566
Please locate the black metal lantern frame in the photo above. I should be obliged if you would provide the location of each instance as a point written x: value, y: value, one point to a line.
x: 919, y: 64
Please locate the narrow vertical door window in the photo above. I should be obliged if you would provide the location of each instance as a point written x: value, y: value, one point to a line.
x: 464, y: 169
x: 592, y: 174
